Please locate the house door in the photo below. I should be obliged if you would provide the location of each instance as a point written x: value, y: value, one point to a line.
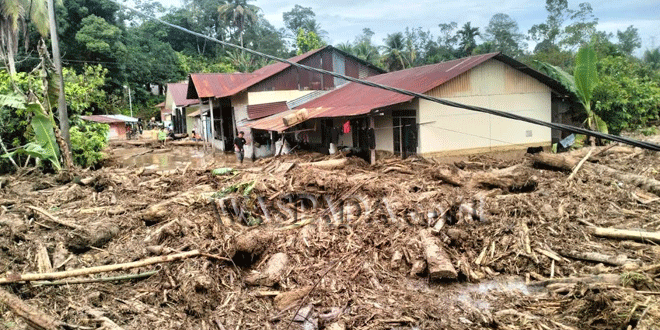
x: 227, y: 122
x: 405, y: 133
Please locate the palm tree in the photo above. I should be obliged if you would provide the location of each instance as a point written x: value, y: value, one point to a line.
x: 239, y: 13
x: 468, y: 35
x: 394, y: 58
x: 366, y: 51
x: 346, y: 47
x: 13, y: 15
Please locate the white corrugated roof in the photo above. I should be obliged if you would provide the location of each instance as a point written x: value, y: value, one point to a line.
x: 123, y: 118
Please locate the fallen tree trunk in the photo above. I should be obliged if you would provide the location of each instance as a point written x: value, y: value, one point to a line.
x: 327, y: 164
x: 439, y: 264
x: 512, y: 179
x: 453, y: 176
x: 602, y: 278
x: 637, y: 235
x: 34, y: 318
x: 619, y: 260
x: 567, y: 163
x: 13, y: 278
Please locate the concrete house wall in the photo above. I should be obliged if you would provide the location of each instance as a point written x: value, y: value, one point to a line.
x: 492, y: 84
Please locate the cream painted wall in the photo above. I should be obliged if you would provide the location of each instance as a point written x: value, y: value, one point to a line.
x: 240, y: 103
x: 169, y: 101
x: 493, y: 85
x: 344, y: 140
x: 190, y: 121
x: 275, y: 96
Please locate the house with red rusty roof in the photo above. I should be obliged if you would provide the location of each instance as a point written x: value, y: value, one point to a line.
x: 237, y: 98
x: 371, y: 119
x: 117, y: 123
x: 181, y: 109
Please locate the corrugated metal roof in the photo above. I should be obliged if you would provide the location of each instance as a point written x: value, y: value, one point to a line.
x: 123, y: 118
x: 275, y: 122
x: 179, y: 93
x: 206, y: 85
x: 102, y: 119
x: 356, y: 99
x: 257, y: 111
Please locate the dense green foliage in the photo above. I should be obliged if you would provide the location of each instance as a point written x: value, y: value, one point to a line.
x: 87, y: 143
x: 628, y: 95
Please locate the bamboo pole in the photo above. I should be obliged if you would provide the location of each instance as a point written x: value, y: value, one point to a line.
x: 637, y: 235
x: 97, y: 280
x: 13, y: 278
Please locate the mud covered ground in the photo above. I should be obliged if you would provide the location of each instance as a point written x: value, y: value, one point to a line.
x: 511, y: 229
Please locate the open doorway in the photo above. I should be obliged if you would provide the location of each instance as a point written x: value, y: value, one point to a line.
x: 405, y: 132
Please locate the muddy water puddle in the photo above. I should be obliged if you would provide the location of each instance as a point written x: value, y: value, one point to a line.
x: 172, y: 158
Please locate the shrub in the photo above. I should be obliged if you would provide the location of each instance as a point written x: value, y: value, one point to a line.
x: 87, y: 143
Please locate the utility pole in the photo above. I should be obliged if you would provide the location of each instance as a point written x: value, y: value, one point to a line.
x: 61, y: 106
x: 130, y: 100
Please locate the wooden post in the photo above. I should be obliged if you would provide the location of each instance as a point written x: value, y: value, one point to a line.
x: 373, y: 151
x: 202, y: 123
x: 222, y: 132
x: 212, y: 125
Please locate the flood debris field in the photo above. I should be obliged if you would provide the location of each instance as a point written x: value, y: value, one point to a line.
x: 478, y: 244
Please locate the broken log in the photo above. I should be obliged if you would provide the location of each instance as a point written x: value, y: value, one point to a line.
x: 567, y: 163
x: 619, y: 260
x: 438, y: 262
x: 14, y: 278
x: 249, y: 246
x: 106, y: 323
x: 82, y: 240
x: 602, y: 278
x: 453, y: 176
x: 53, y: 218
x: 286, y: 299
x: 34, y: 318
x: 555, y: 161
x: 511, y: 179
x: 638, y: 235
x: 327, y: 164
x: 273, y: 273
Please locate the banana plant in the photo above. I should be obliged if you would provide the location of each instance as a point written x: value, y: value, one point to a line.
x: 45, y: 145
x: 581, y: 83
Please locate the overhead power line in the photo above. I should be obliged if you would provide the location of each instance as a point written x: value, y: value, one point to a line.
x: 499, y: 113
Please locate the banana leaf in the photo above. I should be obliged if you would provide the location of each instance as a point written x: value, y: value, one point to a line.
x: 12, y: 101
x: 223, y: 171
x: 585, y: 74
x: 36, y: 151
x: 45, y: 137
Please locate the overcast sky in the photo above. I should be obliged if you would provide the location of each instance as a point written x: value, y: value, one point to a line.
x: 345, y: 19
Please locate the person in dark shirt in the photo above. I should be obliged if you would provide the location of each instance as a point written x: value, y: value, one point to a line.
x: 239, y: 142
